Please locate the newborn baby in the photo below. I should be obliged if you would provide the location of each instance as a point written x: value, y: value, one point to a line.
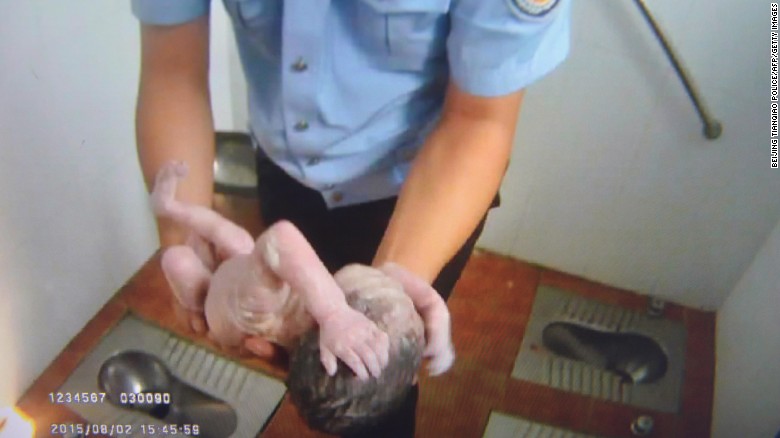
x: 377, y: 321
x: 342, y: 404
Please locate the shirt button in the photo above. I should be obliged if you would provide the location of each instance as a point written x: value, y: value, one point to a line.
x: 300, y: 65
x: 313, y: 161
x: 337, y: 197
x: 301, y: 125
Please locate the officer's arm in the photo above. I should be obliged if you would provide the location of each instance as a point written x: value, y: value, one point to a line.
x: 173, y: 114
x: 452, y: 181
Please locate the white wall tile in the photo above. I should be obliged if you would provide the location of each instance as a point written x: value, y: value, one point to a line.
x: 619, y: 27
x: 618, y: 183
x: 747, y: 390
x: 726, y: 45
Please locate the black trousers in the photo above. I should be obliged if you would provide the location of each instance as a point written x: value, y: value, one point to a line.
x: 346, y: 235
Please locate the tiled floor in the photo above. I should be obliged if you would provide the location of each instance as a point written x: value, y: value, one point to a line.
x: 490, y: 308
x: 506, y: 426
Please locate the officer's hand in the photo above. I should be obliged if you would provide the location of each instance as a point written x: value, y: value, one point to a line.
x: 435, y: 315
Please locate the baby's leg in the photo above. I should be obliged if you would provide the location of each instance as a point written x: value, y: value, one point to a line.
x: 187, y: 275
x: 229, y: 238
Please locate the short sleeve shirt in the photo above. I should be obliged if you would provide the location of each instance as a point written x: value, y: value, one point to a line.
x: 342, y: 93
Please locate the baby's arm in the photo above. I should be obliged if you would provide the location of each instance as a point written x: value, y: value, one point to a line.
x: 228, y: 238
x: 435, y: 315
x: 344, y: 333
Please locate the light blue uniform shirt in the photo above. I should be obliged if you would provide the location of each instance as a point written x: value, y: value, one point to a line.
x: 342, y: 93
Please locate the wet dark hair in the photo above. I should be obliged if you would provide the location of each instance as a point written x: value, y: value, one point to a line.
x: 343, y: 404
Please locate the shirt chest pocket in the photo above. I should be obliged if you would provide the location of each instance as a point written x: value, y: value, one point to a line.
x: 403, y: 34
x: 258, y: 22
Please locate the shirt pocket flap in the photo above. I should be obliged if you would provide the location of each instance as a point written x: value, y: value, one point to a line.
x: 409, y: 6
x: 249, y: 13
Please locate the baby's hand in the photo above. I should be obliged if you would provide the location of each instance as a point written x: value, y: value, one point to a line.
x: 348, y: 335
x: 344, y: 333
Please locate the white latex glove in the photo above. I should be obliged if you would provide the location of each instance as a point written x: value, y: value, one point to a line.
x: 435, y: 315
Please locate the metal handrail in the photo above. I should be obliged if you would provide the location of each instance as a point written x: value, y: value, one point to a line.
x: 712, y: 127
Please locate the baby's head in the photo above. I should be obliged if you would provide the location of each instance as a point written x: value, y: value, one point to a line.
x: 342, y: 403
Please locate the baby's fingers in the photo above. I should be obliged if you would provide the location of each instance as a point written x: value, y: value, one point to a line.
x: 381, y: 346
x: 260, y: 347
x: 372, y: 348
x: 192, y: 320
x: 328, y: 361
x: 354, y: 362
x: 370, y: 358
x: 198, y: 322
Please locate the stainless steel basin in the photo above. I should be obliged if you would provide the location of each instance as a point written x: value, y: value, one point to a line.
x: 581, y: 345
x: 204, y: 390
x: 635, y: 358
x: 162, y: 395
x: 235, y: 168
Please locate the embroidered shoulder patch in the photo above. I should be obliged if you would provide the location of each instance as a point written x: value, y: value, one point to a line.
x: 533, y: 8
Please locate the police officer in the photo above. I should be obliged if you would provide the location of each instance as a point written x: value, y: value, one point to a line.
x: 383, y: 128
